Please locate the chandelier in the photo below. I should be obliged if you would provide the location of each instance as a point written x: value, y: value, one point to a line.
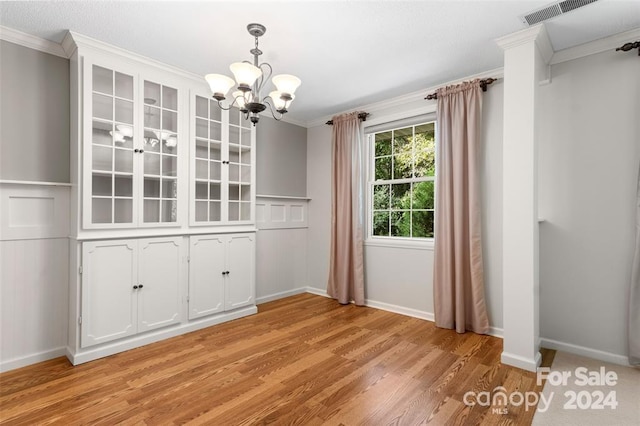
x: 251, y: 78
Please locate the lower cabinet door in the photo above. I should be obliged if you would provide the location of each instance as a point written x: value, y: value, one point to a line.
x: 109, y: 309
x: 206, y: 278
x: 159, y: 278
x: 240, y: 287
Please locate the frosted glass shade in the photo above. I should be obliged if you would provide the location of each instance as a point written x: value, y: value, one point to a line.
x: 162, y: 135
x: 117, y: 137
x: 286, y: 83
x: 239, y: 97
x: 126, y: 131
x: 219, y: 84
x: 278, y: 102
x: 245, y: 74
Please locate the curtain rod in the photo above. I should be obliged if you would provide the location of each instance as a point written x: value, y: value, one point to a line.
x: 483, y: 83
x: 362, y: 116
x: 628, y: 46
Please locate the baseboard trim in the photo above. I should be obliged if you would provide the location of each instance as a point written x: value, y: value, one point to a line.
x: 410, y: 312
x: 584, y: 351
x: 86, y: 355
x: 415, y: 313
x: 280, y: 295
x: 528, y: 364
x: 317, y: 291
x: 15, y: 363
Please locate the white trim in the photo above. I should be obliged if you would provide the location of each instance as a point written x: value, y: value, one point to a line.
x: 286, y: 119
x: 23, y: 361
x: 79, y: 40
x: 405, y: 99
x: 524, y: 36
x: 430, y: 108
x: 32, y: 42
x: 496, y: 332
x: 280, y: 295
x: 596, y: 46
x: 283, y: 197
x: 584, y: 351
x: 317, y: 292
x: 411, y: 244
x: 544, y: 45
x: 36, y: 183
x: 161, y: 232
x: 521, y: 362
x: 410, y: 312
x: 112, y: 348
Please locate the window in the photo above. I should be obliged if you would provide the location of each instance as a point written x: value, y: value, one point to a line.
x: 402, y: 182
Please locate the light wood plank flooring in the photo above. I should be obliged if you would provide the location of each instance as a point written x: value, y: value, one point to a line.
x: 301, y: 360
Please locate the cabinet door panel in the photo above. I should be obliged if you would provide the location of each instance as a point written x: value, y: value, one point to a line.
x: 206, y: 281
x: 110, y: 126
x: 108, y: 299
x: 241, y: 266
x: 160, y: 275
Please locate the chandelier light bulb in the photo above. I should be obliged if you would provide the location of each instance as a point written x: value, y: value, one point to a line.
x: 286, y: 83
x: 278, y: 102
x: 245, y: 74
x: 219, y: 84
x: 238, y: 95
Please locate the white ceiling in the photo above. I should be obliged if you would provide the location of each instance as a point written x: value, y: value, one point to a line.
x: 347, y: 53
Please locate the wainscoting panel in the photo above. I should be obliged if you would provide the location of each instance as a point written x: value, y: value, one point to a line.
x: 34, y: 272
x: 273, y: 212
x: 281, y: 247
x: 281, y: 263
x: 34, y: 280
x: 29, y: 211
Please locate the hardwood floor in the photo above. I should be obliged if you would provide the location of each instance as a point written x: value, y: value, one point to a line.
x: 301, y: 360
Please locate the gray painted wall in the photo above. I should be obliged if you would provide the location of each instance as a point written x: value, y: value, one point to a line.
x: 34, y: 115
x: 589, y: 154
x: 281, y: 157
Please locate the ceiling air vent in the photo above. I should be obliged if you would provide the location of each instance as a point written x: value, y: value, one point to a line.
x: 553, y: 10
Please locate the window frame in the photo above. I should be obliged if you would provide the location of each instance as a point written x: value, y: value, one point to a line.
x: 395, y: 241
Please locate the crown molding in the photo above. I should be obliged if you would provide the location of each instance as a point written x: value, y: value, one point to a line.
x: 32, y: 42
x: 596, y: 46
x: 408, y: 98
x: 74, y: 40
x: 537, y: 33
x: 524, y: 36
x: 544, y: 45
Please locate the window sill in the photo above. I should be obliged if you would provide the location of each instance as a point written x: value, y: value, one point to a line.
x: 400, y: 243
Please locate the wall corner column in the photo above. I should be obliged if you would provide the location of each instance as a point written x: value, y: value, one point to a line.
x: 526, y: 55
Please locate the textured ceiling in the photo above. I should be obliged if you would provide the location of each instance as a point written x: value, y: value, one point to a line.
x: 347, y: 53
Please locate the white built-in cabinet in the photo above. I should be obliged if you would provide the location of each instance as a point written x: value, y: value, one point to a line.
x: 129, y: 286
x: 221, y: 273
x: 162, y: 215
x: 134, y: 139
x: 222, y: 159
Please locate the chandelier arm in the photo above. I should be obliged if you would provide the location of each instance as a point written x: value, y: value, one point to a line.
x: 230, y: 105
x: 271, y: 109
x: 265, y: 76
x: 222, y: 107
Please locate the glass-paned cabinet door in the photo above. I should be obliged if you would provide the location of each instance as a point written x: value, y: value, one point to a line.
x: 109, y: 152
x: 160, y: 145
x: 207, y: 161
x: 240, y: 167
